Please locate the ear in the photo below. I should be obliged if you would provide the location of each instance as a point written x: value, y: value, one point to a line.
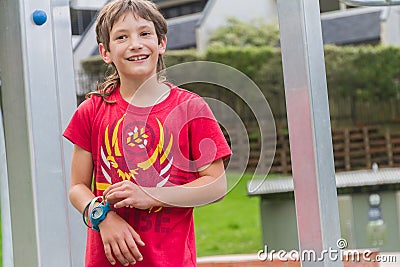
x: 104, y: 54
x: 162, y: 46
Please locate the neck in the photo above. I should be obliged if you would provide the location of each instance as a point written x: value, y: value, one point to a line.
x: 129, y: 88
x: 143, y: 93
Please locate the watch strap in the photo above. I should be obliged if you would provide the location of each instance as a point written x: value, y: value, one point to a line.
x: 98, y: 199
x: 95, y: 223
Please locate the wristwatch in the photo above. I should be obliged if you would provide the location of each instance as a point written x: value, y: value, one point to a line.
x: 98, y: 214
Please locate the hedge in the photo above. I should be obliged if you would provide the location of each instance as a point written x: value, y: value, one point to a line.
x: 363, y: 81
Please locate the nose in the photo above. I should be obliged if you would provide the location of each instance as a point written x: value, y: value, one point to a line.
x: 135, y: 43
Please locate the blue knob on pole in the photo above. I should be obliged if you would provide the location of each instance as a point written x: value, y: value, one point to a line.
x: 39, y: 17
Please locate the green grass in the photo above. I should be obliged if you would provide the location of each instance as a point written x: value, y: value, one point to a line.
x: 231, y: 226
x: 1, y: 245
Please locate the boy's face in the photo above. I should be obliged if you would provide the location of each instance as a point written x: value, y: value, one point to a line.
x: 134, y: 48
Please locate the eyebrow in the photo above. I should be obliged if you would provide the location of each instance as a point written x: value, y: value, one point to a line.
x: 145, y: 27
x: 140, y: 27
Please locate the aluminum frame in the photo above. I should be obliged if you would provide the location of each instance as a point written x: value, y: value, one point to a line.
x: 309, y: 128
x: 38, y: 97
x: 7, y: 255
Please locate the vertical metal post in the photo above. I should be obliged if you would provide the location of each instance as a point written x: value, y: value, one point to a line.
x: 309, y: 128
x: 38, y: 98
x: 6, y: 237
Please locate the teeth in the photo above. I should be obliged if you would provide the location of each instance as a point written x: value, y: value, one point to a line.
x: 138, y: 58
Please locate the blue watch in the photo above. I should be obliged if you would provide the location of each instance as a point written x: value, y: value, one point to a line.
x: 98, y: 214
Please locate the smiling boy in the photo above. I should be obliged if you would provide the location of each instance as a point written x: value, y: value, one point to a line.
x: 155, y: 150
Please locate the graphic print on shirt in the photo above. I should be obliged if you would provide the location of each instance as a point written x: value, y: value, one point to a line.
x: 137, y: 152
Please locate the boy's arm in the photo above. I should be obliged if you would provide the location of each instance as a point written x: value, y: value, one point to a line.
x: 118, y: 237
x: 209, y: 187
x: 81, y: 178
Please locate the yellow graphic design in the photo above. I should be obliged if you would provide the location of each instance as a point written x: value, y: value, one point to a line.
x: 102, y: 186
x: 137, y: 137
x: 158, y: 151
x: 117, y: 152
x: 156, y: 210
x: 112, y: 151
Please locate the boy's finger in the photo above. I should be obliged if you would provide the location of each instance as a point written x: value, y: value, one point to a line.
x: 116, y: 197
x: 108, y: 189
x: 122, y: 203
x: 134, y: 248
x: 107, y: 250
x: 111, y: 187
x: 136, y: 237
x: 116, y: 193
x: 126, y: 252
x: 118, y: 254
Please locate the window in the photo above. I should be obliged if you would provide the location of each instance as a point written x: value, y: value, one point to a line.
x: 184, y: 9
x: 80, y: 20
x: 332, y: 5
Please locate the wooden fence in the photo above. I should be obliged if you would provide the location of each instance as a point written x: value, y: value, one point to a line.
x: 354, y: 149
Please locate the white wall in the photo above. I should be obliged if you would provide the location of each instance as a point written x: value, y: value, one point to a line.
x: 219, y: 10
x: 88, y: 4
x: 390, y: 25
x: 84, y: 47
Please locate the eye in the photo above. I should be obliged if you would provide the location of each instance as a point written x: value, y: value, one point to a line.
x: 121, y: 37
x: 145, y: 33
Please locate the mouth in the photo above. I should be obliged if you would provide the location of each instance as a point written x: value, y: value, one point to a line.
x: 138, y: 58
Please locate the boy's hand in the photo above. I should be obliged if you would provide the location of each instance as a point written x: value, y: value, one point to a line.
x: 120, y: 239
x: 129, y: 194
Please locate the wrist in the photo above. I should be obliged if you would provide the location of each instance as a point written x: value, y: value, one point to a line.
x: 157, y: 203
x: 109, y: 217
x: 156, y: 194
x: 99, y: 213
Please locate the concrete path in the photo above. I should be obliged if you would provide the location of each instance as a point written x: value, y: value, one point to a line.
x: 386, y: 259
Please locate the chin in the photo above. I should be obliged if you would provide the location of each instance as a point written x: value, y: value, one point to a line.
x: 142, y: 75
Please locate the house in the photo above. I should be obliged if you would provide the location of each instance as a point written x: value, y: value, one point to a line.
x: 181, y: 15
x: 191, y: 22
x: 341, y: 24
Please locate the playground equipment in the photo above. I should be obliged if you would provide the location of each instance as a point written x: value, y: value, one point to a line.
x: 309, y: 128
x: 38, y: 98
x: 309, y: 124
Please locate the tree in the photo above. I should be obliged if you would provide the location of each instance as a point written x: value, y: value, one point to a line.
x: 238, y: 33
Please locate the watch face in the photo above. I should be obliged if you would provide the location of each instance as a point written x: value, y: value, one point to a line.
x: 97, y: 212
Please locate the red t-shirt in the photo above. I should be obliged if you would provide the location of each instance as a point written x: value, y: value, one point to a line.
x: 162, y: 145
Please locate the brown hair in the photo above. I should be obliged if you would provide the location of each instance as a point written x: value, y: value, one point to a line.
x: 111, y: 13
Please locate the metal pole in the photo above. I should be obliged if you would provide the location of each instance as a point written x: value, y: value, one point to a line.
x: 38, y: 97
x: 309, y: 129
x: 6, y: 236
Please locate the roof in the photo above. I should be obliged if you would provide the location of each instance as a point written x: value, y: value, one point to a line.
x: 351, y: 26
x: 356, y: 25
x: 206, y: 11
x: 182, y: 31
x: 343, y: 180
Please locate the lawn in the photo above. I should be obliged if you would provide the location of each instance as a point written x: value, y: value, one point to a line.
x: 231, y: 226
